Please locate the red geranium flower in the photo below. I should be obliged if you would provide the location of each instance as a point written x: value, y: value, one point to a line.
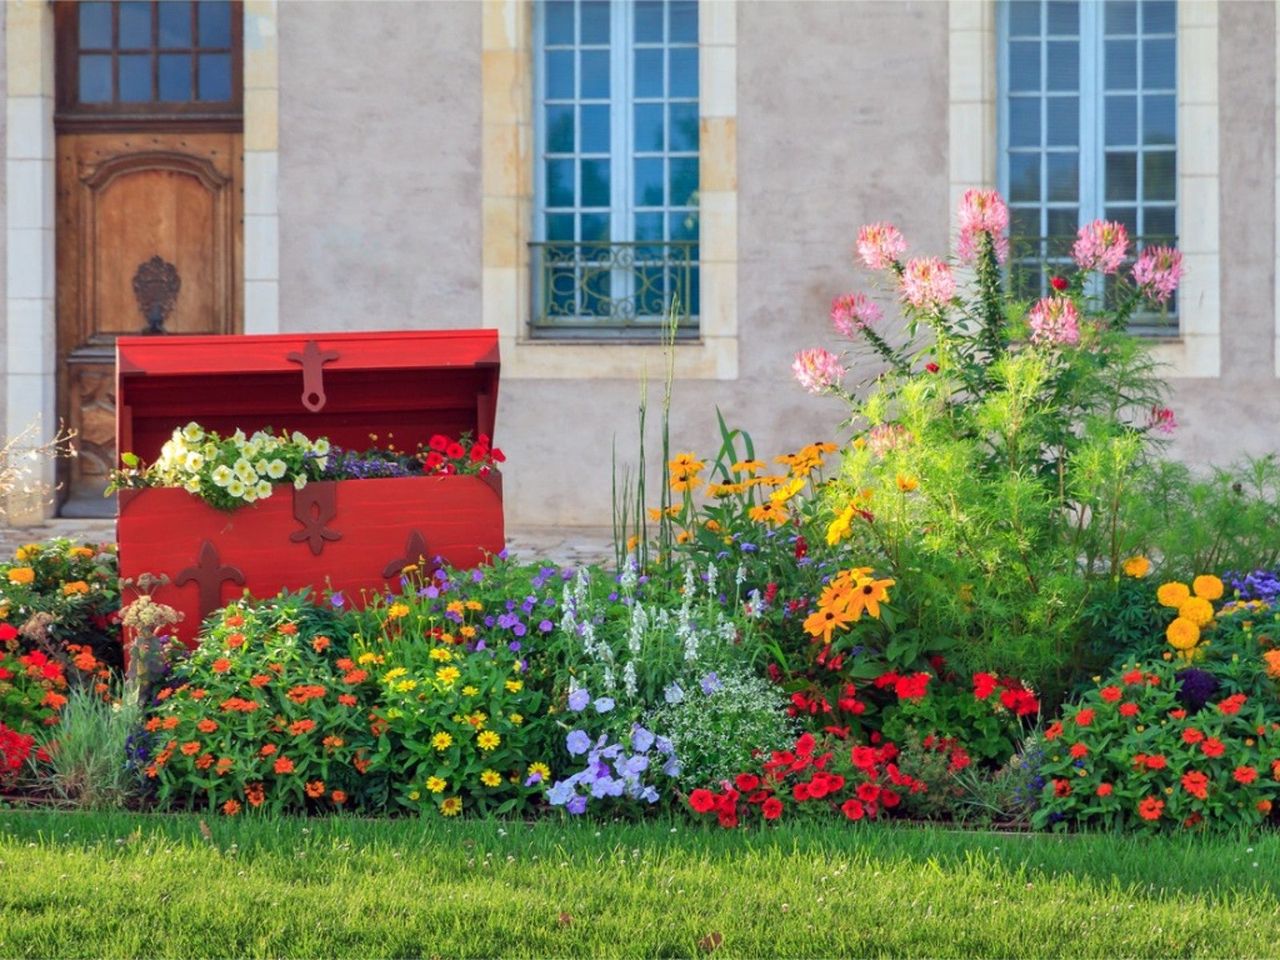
x: 868, y: 792
x: 984, y: 684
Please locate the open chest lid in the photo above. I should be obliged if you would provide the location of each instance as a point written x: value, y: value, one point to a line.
x: 360, y: 390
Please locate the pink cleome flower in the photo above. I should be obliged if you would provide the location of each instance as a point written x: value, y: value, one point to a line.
x: 1162, y: 419
x: 1054, y: 320
x: 927, y: 282
x: 1158, y: 271
x: 880, y: 245
x: 1101, y: 245
x: 853, y: 312
x: 982, y: 211
x: 817, y: 369
x: 887, y: 436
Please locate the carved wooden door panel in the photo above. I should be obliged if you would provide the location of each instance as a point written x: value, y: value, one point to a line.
x: 149, y: 155
x: 148, y: 241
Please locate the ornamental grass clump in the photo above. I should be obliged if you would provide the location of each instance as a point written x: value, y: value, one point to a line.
x: 1004, y: 450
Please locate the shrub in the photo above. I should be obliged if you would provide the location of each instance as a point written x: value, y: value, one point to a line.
x: 32, y: 685
x: 720, y: 724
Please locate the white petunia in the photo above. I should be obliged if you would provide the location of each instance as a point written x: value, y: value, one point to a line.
x: 193, y: 432
x: 300, y: 439
x: 222, y: 475
x: 276, y: 469
x: 195, y: 460
x: 264, y: 489
x: 236, y: 488
x: 261, y: 467
x: 299, y: 481
x: 192, y: 485
x: 321, y: 447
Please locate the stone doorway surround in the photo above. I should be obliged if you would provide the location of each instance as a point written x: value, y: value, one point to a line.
x: 29, y: 401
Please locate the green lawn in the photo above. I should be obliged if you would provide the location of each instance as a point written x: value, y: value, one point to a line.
x: 121, y: 885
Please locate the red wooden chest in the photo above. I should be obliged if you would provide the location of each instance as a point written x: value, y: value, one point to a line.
x: 353, y: 536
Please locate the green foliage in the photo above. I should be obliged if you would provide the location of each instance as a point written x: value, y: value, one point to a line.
x: 87, y: 765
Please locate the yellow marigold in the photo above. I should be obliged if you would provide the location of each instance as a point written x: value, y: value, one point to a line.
x: 1207, y: 586
x: 474, y: 605
x: 515, y: 686
x: 451, y: 806
x: 487, y: 740
x: 1137, y: 567
x: 907, y: 483
x: 1183, y: 634
x: 85, y: 552
x: 491, y: 778
x: 442, y: 741
x: 516, y: 718
x: 75, y: 587
x: 1173, y: 594
x: 436, y: 784
x: 1198, y: 610
x: 397, y: 610
x: 21, y: 575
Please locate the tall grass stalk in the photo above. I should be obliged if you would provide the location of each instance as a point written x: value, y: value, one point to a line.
x: 88, y: 750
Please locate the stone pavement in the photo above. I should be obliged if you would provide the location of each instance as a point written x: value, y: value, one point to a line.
x: 563, y: 545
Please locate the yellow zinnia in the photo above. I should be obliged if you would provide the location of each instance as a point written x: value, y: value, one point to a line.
x: 491, y: 778
x: 1173, y: 594
x: 442, y: 741
x: 1198, y: 610
x: 397, y: 610
x: 451, y: 807
x: 1183, y: 634
x: 1207, y: 586
x: 441, y: 653
x: 1137, y: 567
x: 488, y: 740
x: 436, y: 784
x: 447, y: 675
x: 541, y: 769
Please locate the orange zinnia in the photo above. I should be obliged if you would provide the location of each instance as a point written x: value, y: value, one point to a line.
x: 221, y: 665
x: 1151, y: 808
x: 191, y: 748
x: 207, y: 726
x: 299, y: 727
x: 339, y: 797
x: 284, y: 765
x: 231, y: 808
x: 315, y: 789
x: 254, y: 793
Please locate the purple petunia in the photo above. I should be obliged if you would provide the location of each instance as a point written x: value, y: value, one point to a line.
x: 577, y: 742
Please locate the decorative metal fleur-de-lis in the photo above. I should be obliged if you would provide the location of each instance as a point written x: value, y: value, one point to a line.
x: 312, y: 360
x: 415, y: 549
x: 155, y: 286
x: 209, y: 574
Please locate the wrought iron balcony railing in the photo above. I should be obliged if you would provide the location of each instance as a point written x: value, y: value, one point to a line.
x: 1033, y: 260
x: 603, y: 288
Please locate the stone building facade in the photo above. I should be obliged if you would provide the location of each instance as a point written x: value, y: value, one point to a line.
x: 396, y: 167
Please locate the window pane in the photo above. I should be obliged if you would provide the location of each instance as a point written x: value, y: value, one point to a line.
x: 595, y: 183
x: 649, y: 21
x: 95, y: 27
x: 1126, y: 215
x: 684, y: 181
x: 1159, y: 225
x: 648, y: 226
x: 1122, y: 65
x: 1024, y: 18
x: 1064, y: 17
x: 1063, y: 122
x: 1064, y: 177
x: 684, y: 21
x: 175, y: 24
x: 215, y: 23
x: 559, y: 183
x: 683, y: 64
x: 683, y: 225
x: 595, y: 227
x: 559, y: 75
x: 1024, y: 66
x: 1159, y: 16
x: 594, y: 21
x: 215, y: 76
x: 1158, y: 65
x: 1024, y: 122
x: 95, y: 79
x: 135, y: 25
x: 1158, y: 119
x: 1122, y: 16
x: 1121, y: 121
x: 1064, y: 65
x: 1063, y: 222
x: 595, y: 129
x: 1024, y: 223
x: 649, y: 180
x: 1158, y: 180
x: 560, y: 226
x: 1122, y: 176
x: 559, y: 129
x: 175, y: 77
x: 649, y: 127
x: 559, y: 22
x: 648, y: 73
x: 683, y: 132
x: 135, y: 78
x: 1024, y: 177
x: 595, y: 75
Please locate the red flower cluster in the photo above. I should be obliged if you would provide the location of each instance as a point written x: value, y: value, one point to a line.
x: 957, y: 757
x: 1014, y: 694
x: 446, y: 455
x: 911, y: 686
x: 15, y: 748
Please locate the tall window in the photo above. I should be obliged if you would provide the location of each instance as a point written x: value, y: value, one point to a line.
x: 1088, y: 104
x: 140, y: 59
x: 615, y: 248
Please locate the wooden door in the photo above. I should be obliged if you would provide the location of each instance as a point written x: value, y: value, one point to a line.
x: 149, y: 198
